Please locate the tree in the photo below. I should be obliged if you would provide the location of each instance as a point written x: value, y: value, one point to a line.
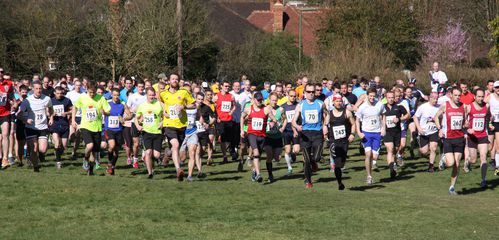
x: 494, y: 28
x: 450, y: 46
x: 263, y: 57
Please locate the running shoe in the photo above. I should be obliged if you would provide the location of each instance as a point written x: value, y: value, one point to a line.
x: 59, y: 165
x: 97, y: 166
x: 150, y: 176
x: 12, y: 161
x: 225, y: 160
x: 136, y: 165
x: 483, y: 184
x: 240, y: 166
x: 259, y: 178
x: 201, y: 175
x: 189, y: 179
x: 369, y: 180
x: 441, y: 164
x: 271, y: 178
x: 452, y: 191
x: 430, y: 168
x: 400, y: 160
x: 180, y: 175
x: 493, y: 163
x: 36, y: 169
x: 128, y: 161
x: 308, y: 185
x: 496, y: 172
x: 85, y: 165
x: 110, y: 170
x: 249, y: 161
x: 290, y: 171
x: 5, y: 164
x: 341, y: 187
x: 393, y: 173
x: 467, y: 166
x: 253, y: 176
x: 374, y: 166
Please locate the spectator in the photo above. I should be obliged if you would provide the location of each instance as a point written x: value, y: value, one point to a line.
x: 437, y: 77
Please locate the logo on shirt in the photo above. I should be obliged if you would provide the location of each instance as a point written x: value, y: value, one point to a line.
x: 6, y: 88
x: 90, y: 106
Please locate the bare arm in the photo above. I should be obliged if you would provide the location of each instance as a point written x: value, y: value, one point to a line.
x: 295, y: 119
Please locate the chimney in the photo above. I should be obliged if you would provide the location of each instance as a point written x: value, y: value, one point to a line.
x: 278, y: 11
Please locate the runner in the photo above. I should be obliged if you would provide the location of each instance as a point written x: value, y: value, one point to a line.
x: 454, y: 139
x: 273, y: 136
x: 175, y: 102
x: 369, y: 113
x: 133, y: 102
x: 113, y: 127
x: 60, y: 127
x: 424, y: 119
x: 206, y: 138
x: 92, y: 107
x: 74, y: 130
x: 256, y: 116
x: 477, y: 134
x: 493, y: 101
x: 290, y: 135
x: 393, y: 118
x: 20, y: 134
x: 7, y: 101
x: 313, y: 128
x: 191, y: 141
x: 342, y: 133
x: 35, y: 112
x: 149, y: 118
x: 225, y: 108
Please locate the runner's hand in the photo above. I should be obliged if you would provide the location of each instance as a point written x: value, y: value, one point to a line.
x: 395, y: 120
x: 361, y: 135
x: 441, y: 133
x: 351, y: 138
x: 51, y: 121
x: 383, y: 131
x: 242, y: 134
x: 471, y: 131
x: 324, y: 130
x: 299, y: 128
x: 139, y: 128
x: 29, y: 121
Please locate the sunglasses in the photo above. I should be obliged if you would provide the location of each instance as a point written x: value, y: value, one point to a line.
x: 292, y: 96
x: 309, y: 91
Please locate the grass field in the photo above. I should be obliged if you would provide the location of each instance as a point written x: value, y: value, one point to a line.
x: 66, y: 204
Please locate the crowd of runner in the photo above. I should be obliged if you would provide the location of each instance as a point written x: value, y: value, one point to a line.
x: 182, y: 121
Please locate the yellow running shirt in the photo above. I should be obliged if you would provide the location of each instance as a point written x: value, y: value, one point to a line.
x: 91, y: 114
x: 181, y: 97
x: 152, y: 112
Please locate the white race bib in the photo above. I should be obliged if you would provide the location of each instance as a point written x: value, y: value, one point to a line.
x: 78, y: 113
x: 257, y: 124
x: 91, y: 114
x: 3, y: 99
x: 456, y: 122
x: 311, y: 116
x: 371, y: 122
x: 39, y: 116
x: 339, y: 132
x: 389, y: 121
x: 495, y: 115
x: 431, y: 127
x: 113, y: 121
x: 149, y: 119
x: 200, y: 127
x: 191, y: 120
x: 290, y: 115
x: 58, y: 110
x: 478, y: 124
x: 225, y: 106
x: 172, y: 111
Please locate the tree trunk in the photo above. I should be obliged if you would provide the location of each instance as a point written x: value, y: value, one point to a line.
x: 180, y: 60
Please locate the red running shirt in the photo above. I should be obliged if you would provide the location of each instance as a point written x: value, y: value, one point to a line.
x: 257, y: 122
x: 455, y: 120
x: 224, y: 105
x: 6, y: 90
x: 477, y: 121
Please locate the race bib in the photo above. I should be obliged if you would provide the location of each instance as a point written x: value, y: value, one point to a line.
x: 456, y: 122
x: 91, y: 114
x: 3, y: 99
x: 226, y: 106
x: 39, y: 116
x: 172, y: 111
x: 495, y: 115
x: 149, y: 119
x: 257, y: 124
x: 113, y: 122
x: 290, y: 115
x: 389, y: 121
x: 191, y: 120
x: 58, y: 110
x: 478, y: 124
x: 200, y: 127
x: 431, y: 127
x: 311, y: 116
x: 371, y: 122
x: 339, y: 132
x: 78, y: 113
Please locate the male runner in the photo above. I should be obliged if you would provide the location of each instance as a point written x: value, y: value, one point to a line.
x: 290, y: 135
x: 424, y: 119
x: 60, y: 127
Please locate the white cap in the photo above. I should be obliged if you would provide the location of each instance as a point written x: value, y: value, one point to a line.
x: 204, y: 84
x: 272, y: 88
x: 496, y: 83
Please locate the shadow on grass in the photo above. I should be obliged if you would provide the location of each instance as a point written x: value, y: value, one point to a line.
x: 491, y: 185
x: 223, y: 172
x: 223, y: 179
x: 330, y: 179
x: 364, y: 188
x: 396, y: 179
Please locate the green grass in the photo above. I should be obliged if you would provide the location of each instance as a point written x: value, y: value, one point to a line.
x: 66, y: 204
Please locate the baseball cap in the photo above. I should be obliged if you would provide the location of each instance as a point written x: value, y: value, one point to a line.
x: 204, y: 85
x: 258, y: 96
x: 496, y: 84
x: 161, y: 76
x: 337, y: 97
